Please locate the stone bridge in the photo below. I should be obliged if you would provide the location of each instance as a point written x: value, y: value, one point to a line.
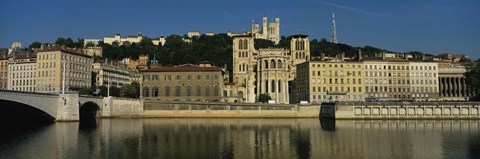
x: 19, y: 105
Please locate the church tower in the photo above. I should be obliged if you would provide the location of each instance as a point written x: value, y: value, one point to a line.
x: 243, y: 67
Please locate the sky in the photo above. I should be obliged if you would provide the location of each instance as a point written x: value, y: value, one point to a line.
x: 430, y: 26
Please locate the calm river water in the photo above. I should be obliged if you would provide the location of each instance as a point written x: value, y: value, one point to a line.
x: 194, y: 138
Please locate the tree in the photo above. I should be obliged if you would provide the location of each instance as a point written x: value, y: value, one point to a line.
x: 264, y: 98
x: 35, y: 44
x: 473, y: 80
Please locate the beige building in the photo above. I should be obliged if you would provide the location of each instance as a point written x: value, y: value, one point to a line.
x: 159, y: 41
x: 110, y: 74
x: 400, y: 78
x: 183, y: 83
x: 191, y: 34
x: 330, y: 80
x: 267, y: 70
x: 93, y: 51
x: 22, y: 73
x: 268, y: 31
x: 121, y: 40
x: 452, y: 81
x: 50, y: 71
x: 3, y: 73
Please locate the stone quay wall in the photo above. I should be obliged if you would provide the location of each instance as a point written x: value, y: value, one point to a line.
x: 228, y: 110
x: 401, y: 110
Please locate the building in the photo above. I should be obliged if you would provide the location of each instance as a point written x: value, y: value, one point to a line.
x: 4, y: 73
x: 159, y: 41
x: 268, y: 70
x: 330, y: 80
x: 121, y: 40
x: 183, y: 83
x: 452, y: 81
x: 50, y: 70
x: 191, y: 34
x: 268, y: 31
x: 95, y: 42
x: 15, y: 46
x: 93, y: 51
x: 209, y: 34
x: 400, y: 79
x: 22, y: 73
x: 453, y: 57
x: 105, y: 74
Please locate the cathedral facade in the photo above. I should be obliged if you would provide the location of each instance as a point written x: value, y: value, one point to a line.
x: 267, y: 70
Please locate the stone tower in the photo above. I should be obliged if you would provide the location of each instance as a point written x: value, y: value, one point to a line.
x: 243, y: 67
x: 300, y: 51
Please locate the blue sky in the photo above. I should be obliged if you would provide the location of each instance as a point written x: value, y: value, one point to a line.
x: 431, y: 26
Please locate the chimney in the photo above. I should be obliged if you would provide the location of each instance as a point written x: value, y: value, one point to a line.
x: 383, y: 55
x: 405, y: 56
x: 360, y: 58
x: 342, y: 56
x: 322, y: 56
x: 423, y: 57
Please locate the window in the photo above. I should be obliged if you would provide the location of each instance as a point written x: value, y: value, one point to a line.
x: 155, y: 92
x: 199, y: 77
x: 198, y: 91
x: 215, y: 91
x: 189, y: 91
x: 207, y: 77
x: 207, y: 91
x: 167, y: 91
x: 177, y: 91
x: 189, y: 77
x: 177, y: 77
x: 215, y: 77
x: 145, y: 92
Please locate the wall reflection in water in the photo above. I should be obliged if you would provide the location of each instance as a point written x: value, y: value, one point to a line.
x: 249, y: 138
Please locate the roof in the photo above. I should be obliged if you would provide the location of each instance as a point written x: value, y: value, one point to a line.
x: 299, y: 36
x: 75, y: 52
x: 182, y: 69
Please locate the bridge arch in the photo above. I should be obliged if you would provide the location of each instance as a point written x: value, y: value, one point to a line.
x: 89, y: 110
x: 23, y: 113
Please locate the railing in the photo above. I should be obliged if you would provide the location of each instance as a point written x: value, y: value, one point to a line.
x: 11, y: 92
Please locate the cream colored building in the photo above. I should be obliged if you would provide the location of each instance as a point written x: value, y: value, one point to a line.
x: 93, y: 51
x: 452, y: 81
x: 110, y: 74
x: 331, y: 80
x: 183, y: 83
x: 191, y: 34
x: 121, y: 40
x: 22, y: 74
x: 159, y: 41
x: 50, y: 63
x: 400, y: 79
x: 3, y: 73
x: 267, y: 70
x: 268, y: 30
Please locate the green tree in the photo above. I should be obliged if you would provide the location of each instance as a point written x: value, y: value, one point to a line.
x: 473, y: 80
x: 35, y: 44
x: 264, y: 98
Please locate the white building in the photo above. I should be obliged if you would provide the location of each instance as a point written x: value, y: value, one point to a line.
x: 22, y: 73
x: 108, y: 73
x: 121, y: 40
x: 191, y: 34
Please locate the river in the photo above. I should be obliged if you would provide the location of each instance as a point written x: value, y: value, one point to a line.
x: 244, y: 138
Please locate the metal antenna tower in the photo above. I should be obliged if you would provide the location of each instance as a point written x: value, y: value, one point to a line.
x: 334, y: 30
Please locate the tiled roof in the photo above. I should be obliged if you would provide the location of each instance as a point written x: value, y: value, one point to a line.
x: 75, y: 52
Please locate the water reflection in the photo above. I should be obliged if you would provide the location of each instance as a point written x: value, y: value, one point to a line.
x: 249, y: 138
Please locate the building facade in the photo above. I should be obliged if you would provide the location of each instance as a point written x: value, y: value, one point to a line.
x: 121, y: 40
x: 330, y: 80
x: 400, y: 79
x: 268, y: 30
x: 50, y: 70
x: 266, y: 71
x: 105, y: 74
x: 452, y: 81
x: 3, y: 73
x: 93, y: 51
x: 22, y: 74
x: 183, y: 83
